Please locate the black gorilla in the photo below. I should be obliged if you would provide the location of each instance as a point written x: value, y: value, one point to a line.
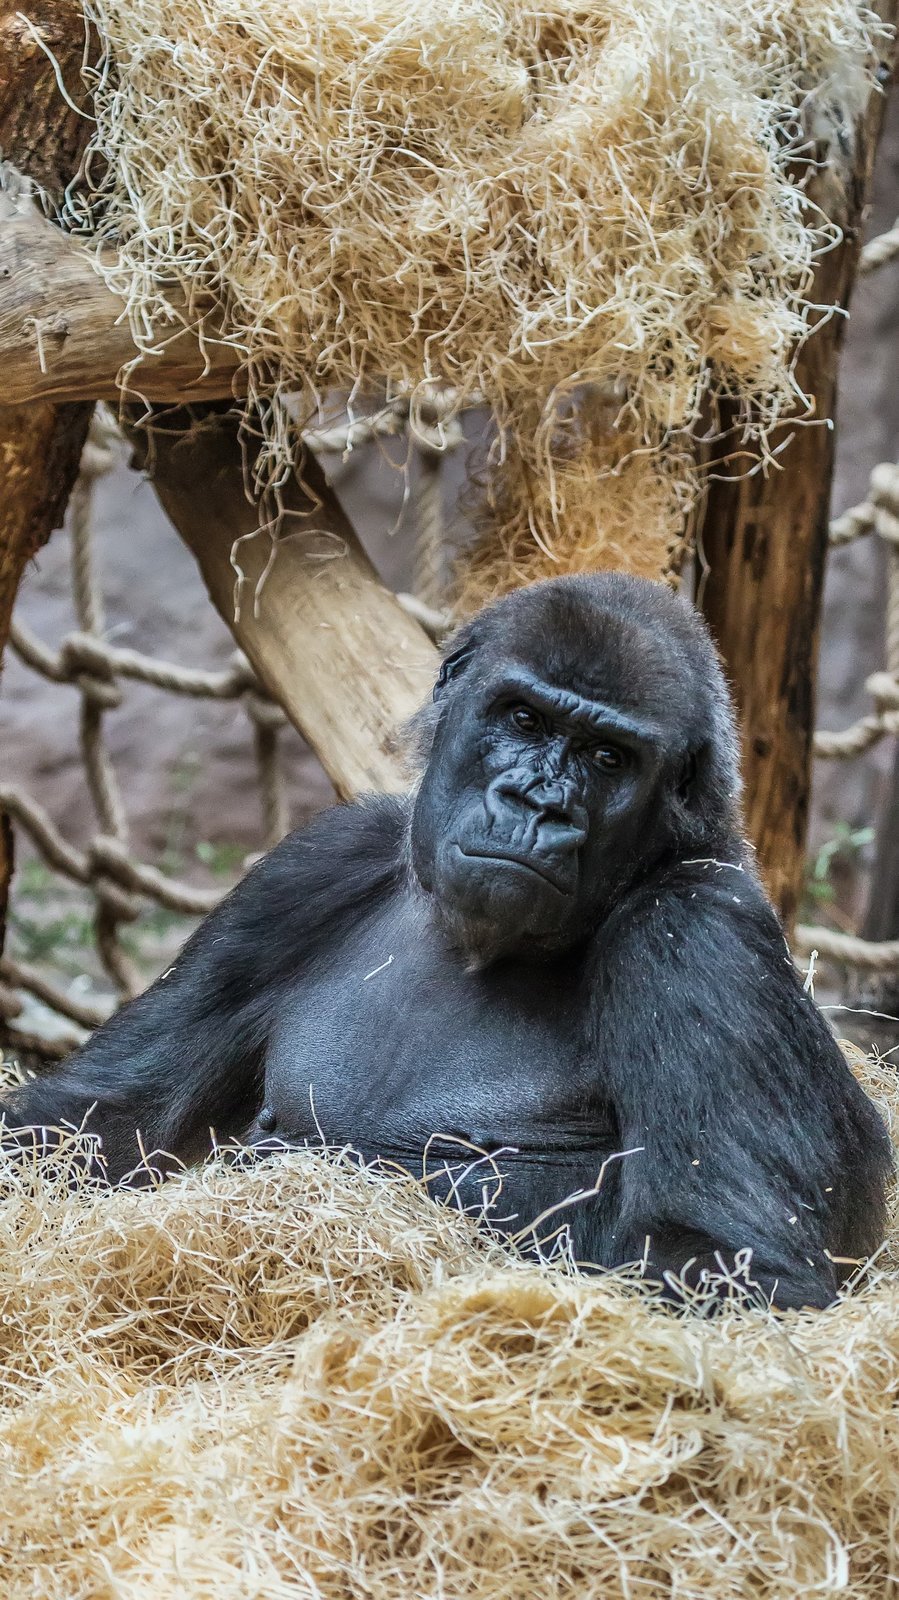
x: 556, y: 951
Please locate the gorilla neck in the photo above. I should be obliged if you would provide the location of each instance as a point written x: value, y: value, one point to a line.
x: 480, y: 943
x: 498, y: 930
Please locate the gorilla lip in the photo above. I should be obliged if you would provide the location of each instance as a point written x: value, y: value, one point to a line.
x: 514, y: 860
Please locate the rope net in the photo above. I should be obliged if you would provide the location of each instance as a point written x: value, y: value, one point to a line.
x: 119, y: 884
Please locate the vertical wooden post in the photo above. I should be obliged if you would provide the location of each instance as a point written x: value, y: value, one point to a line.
x: 40, y: 446
x: 764, y: 543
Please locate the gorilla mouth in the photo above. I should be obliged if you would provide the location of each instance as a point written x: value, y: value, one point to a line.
x: 516, y: 858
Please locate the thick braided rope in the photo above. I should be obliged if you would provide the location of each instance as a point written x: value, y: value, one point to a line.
x: 867, y: 954
x: 880, y: 251
x: 879, y: 514
x: 118, y: 882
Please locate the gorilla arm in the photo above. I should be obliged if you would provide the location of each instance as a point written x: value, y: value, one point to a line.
x: 755, y: 1135
x: 188, y: 1054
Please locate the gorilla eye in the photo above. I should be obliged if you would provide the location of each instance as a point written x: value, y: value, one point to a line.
x: 527, y: 720
x: 607, y: 757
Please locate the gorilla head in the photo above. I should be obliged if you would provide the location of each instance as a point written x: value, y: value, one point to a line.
x: 581, y: 733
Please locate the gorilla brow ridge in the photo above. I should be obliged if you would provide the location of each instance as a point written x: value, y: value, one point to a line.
x: 600, y: 716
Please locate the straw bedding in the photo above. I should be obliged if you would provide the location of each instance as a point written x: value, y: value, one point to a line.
x: 589, y: 214
x: 305, y: 1380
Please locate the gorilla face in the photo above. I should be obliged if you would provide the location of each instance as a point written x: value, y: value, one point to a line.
x: 533, y: 804
x: 548, y: 791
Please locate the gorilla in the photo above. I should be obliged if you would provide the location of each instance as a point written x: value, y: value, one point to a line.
x: 548, y: 982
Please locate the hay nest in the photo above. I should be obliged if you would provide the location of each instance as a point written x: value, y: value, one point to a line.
x: 590, y: 215
x: 307, y: 1381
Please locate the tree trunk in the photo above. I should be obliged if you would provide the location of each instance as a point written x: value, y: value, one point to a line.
x: 40, y: 132
x: 332, y: 645
x: 40, y: 446
x: 764, y: 544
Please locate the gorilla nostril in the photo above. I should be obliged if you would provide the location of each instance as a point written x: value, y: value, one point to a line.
x: 523, y: 806
x: 556, y: 811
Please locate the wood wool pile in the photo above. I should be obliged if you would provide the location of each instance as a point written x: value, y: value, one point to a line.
x: 591, y: 216
x: 302, y: 1380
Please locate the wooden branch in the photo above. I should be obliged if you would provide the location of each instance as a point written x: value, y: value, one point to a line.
x: 332, y: 645
x: 65, y: 336
x: 764, y: 540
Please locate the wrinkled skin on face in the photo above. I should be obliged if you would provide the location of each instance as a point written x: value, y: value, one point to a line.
x: 551, y: 787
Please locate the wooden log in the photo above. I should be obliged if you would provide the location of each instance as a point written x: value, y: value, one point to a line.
x: 65, y: 336
x: 764, y: 544
x: 40, y: 446
x: 327, y: 639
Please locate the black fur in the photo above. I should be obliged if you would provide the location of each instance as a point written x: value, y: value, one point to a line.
x: 557, y: 948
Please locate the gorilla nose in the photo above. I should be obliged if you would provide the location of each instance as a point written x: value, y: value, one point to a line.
x: 551, y: 806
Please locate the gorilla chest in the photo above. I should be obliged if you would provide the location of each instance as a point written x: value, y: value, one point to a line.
x: 393, y: 1044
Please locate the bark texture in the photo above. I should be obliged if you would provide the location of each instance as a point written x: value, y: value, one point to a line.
x: 764, y: 543
x: 65, y: 336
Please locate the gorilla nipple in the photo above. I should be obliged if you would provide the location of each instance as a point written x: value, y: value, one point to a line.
x: 266, y: 1120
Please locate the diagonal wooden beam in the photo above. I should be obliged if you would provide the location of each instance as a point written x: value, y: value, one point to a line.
x: 327, y: 639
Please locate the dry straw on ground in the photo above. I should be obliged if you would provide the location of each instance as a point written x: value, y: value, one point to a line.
x: 528, y: 202
x: 304, y: 1381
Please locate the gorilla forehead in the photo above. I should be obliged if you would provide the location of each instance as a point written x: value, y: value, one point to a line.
x: 607, y: 635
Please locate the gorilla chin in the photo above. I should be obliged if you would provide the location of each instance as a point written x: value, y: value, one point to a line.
x: 493, y: 902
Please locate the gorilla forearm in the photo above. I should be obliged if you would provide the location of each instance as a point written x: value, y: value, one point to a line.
x: 155, y: 1079
x: 755, y: 1136
x: 688, y: 1263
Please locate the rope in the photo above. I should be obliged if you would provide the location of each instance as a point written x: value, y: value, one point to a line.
x: 436, y: 430
x: 880, y: 250
x: 878, y: 515
x: 429, y: 544
x: 346, y: 437
x: 89, y: 662
x: 22, y: 976
x: 119, y: 883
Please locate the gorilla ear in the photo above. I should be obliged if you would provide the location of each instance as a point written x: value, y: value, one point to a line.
x: 689, y: 774
x: 421, y: 729
x: 706, y: 796
x: 453, y: 664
